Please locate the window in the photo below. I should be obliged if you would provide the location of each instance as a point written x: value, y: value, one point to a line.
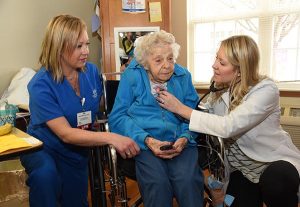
x: 273, y: 24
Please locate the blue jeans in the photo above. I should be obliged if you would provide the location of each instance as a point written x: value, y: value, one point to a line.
x: 53, y: 182
x: 162, y: 179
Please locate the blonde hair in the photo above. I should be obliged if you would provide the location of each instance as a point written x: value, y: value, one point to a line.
x: 61, y: 36
x: 243, y: 53
x: 146, y: 44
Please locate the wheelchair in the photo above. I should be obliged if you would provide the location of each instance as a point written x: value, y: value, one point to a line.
x: 108, y: 171
x: 107, y: 179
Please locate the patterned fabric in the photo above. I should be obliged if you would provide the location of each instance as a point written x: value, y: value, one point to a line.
x: 157, y: 86
x: 250, y: 168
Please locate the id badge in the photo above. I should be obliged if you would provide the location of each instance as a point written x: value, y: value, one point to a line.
x: 84, y: 120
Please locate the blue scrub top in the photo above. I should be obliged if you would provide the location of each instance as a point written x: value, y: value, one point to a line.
x: 49, y: 100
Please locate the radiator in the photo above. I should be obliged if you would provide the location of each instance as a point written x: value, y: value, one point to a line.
x: 290, y: 118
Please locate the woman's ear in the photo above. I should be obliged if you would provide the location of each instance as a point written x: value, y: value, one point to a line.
x: 146, y: 66
x: 238, y: 72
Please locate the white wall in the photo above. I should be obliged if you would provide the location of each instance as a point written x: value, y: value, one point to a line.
x: 22, y: 26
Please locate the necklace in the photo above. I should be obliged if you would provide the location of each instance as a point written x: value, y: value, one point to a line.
x: 74, y: 83
x: 70, y: 78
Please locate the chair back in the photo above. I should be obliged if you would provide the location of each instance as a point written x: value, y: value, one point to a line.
x: 110, y: 88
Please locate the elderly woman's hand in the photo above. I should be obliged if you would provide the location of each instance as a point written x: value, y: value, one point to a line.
x: 180, y: 144
x: 155, y: 146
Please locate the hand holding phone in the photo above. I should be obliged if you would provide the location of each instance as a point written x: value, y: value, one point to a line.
x: 166, y: 147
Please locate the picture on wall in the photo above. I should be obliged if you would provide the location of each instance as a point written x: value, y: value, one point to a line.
x: 133, y: 6
x: 125, y: 38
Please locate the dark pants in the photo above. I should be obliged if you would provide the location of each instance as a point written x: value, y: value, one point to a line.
x: 277, y: 187
x: 52, y: 182
x: 162, y: 179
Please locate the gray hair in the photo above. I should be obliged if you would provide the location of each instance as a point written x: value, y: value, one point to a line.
x: 146, y: 44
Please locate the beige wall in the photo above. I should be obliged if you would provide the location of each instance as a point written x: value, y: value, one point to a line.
x: 179, y: 28
x: 22, y: 26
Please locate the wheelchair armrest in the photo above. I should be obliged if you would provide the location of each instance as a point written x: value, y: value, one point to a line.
x: 222, y: 148
x: 110, y: 150
x: 112, y: 154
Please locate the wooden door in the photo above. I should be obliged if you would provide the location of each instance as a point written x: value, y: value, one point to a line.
x: 111, y: 16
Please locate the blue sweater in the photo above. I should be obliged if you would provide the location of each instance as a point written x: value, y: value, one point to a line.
x: 137, y: 114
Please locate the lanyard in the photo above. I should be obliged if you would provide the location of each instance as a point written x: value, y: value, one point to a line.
x: 82, y: 101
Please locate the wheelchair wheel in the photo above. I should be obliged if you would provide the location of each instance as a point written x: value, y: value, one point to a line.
x: 211, y: 158
x: 211, y: 155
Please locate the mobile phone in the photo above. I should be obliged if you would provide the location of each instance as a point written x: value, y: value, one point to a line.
x: 166, y: 147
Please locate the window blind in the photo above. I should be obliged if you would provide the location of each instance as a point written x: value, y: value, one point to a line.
x: 273, y: 24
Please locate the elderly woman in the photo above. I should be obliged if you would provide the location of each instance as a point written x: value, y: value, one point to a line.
x: 167, y: 165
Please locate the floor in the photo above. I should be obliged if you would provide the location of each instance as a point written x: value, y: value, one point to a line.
x: 133, y: 191
x: 133, y: 194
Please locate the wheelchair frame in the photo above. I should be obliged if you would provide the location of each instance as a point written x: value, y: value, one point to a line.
x: 103, y: 165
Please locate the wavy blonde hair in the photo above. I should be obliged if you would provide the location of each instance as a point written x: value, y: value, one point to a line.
x: 62, y: 34
x: 243, y: 53
x: 146, y: 44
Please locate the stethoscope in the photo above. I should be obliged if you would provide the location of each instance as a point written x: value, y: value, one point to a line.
x: 213, y: 89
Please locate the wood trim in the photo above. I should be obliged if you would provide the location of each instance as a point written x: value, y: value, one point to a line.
x: 201, y: 90
x: 104, y: 8
x: 290, y: 94
x: 166, y: 12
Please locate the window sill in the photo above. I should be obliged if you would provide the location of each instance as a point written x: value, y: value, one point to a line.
x: 201, y: 85
x: 286, y: 89
x: 288, y: 86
